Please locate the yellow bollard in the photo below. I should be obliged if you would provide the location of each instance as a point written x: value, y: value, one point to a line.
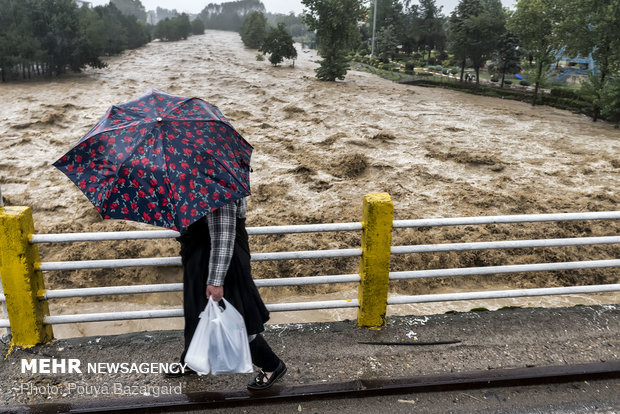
x: 20, y: 278
x: 374, y: 271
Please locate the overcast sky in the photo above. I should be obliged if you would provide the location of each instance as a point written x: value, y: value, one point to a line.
x: 273, y: 6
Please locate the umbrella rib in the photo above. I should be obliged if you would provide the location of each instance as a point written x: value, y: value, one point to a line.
x: 231, y: 174
x: 122, y: 164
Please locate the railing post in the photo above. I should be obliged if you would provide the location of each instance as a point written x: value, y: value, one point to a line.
x: 377, y: 217
x: 21, y: 280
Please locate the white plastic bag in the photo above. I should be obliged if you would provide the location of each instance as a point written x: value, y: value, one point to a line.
x: 220, y: 343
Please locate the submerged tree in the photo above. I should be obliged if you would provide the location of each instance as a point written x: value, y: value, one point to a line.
x: 335, y: 22
x: 229, y: 15
x: 253, y: 30
x: 279, y: 45
x: 131, y: 8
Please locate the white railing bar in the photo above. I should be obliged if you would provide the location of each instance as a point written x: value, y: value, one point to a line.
x: 524, y: 218
x: 304, y: 228
x: 5, y: 312
x: 502, y: 294
x: 110, y: 263
x: 113, y: 316
x: 298, y: 306
x: 311, y: 228
x: 103, y: 236
x: 308, y: 254
x: 176, y: 261
x: 174, y: 313
x: 508, y: 244
x: 4, y: 323
x: 111, y: 290
x: 169, y: 234
x: 489, y: 270
x: 307, y: 280
x: 178, y: 287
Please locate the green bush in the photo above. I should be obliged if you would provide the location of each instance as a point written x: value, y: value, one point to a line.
x: 565, y: 93
x: 524, y: 83
x: 507, y: 82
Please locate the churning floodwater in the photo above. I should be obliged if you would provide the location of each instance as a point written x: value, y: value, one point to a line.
x: 318, y: 148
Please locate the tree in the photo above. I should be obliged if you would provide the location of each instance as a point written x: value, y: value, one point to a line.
x: 412, y: 32
x: 431, y: 22
x: 592, y: 27
x: 386, y: 43
x: 389, y: 15
x: 279, y: 44
x: 475, y: 27
x: 131, y: 8
x: 457, y: 30
x: 507, y: 56
x: 115, y: 32
x: 92, y: 37
x: 173, y: 29
x: 335, y: 22
x: 533, y: 22
x: 198, y: 27
x: 610, y: 100
x: 253, y: 30
x: 229, y: 15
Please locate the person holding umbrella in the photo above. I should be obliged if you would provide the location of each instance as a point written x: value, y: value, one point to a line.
x: 216, y: 257
x: 178, y: 163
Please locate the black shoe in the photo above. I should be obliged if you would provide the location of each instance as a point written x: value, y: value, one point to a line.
x: 261, y: 382
x: 180, y: 373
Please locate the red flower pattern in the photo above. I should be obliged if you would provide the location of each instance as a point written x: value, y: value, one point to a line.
x: 161, y: 159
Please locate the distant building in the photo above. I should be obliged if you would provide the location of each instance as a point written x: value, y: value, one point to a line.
x: 579, y: 62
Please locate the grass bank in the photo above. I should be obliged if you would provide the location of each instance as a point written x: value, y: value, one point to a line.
x: 557, y: 97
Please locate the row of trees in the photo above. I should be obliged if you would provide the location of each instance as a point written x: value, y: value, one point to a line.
x: 532, y: 37
x: 276, y: 41
x: 178, y: 28
x: 49, y: 37
x: 578, y: 27
x: 478, y: 33
x: 229, y: 15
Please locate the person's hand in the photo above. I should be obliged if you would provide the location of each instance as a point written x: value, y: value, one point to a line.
x: 216, y: 292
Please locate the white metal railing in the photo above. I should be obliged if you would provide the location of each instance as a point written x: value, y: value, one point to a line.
x: 348, y: 278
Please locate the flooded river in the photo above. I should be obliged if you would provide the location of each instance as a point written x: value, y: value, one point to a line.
x: 319, y: 147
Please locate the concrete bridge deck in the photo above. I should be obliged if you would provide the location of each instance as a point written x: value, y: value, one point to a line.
x: 324, y: 353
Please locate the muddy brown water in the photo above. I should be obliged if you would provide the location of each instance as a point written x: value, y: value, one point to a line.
x: 319, y: 147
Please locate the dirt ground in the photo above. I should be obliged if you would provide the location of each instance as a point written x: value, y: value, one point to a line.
x: 319, y: 147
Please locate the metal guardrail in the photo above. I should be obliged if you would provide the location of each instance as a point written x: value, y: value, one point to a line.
x: 349, y: 278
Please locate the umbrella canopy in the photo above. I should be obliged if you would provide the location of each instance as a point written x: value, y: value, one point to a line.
x: 160, y: 159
